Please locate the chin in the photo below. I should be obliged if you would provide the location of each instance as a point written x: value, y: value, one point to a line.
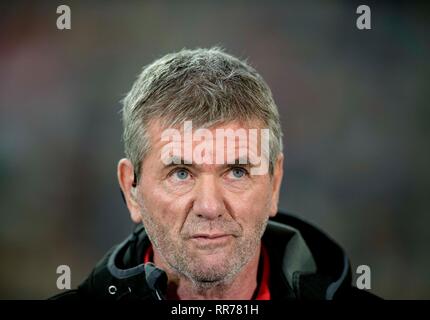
x: 209, y: 277
x: 211, y: 270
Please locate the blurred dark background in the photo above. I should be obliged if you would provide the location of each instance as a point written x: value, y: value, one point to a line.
x: 354, y: 108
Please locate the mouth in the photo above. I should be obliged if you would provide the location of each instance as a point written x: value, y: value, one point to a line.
x: 210, y: 236
x: 211, y: 241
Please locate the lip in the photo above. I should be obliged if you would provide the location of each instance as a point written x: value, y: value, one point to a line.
x: 210, y: 236
x: 210, y: 241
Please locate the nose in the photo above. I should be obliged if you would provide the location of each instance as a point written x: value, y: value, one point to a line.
x: 209, y: 201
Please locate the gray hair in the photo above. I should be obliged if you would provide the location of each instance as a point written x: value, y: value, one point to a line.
x: 207, y: 86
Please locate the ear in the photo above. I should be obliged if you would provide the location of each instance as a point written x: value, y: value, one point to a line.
x: 278, y: 172
x: 125, y: 173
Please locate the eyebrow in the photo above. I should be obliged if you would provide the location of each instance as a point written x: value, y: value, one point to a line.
x: 179, y: 161
x: 175, y: 161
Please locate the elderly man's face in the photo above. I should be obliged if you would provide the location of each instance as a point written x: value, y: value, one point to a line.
x: 204, y: 220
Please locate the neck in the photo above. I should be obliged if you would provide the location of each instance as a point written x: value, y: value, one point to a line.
x: 242, y: 287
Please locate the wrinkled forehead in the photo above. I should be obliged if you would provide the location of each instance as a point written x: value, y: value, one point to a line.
x: 158, y: 127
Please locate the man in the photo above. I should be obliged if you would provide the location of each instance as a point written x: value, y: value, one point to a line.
x: 201, y: 179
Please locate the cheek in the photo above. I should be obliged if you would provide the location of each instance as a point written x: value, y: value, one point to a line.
x: 251, y: 207
x: 166, y: 209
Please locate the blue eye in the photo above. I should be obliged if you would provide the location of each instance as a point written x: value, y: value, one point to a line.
x: 238, y: 172
x: 182, y: 174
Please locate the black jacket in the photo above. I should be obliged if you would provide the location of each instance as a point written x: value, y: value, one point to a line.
x: 304, y: 264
